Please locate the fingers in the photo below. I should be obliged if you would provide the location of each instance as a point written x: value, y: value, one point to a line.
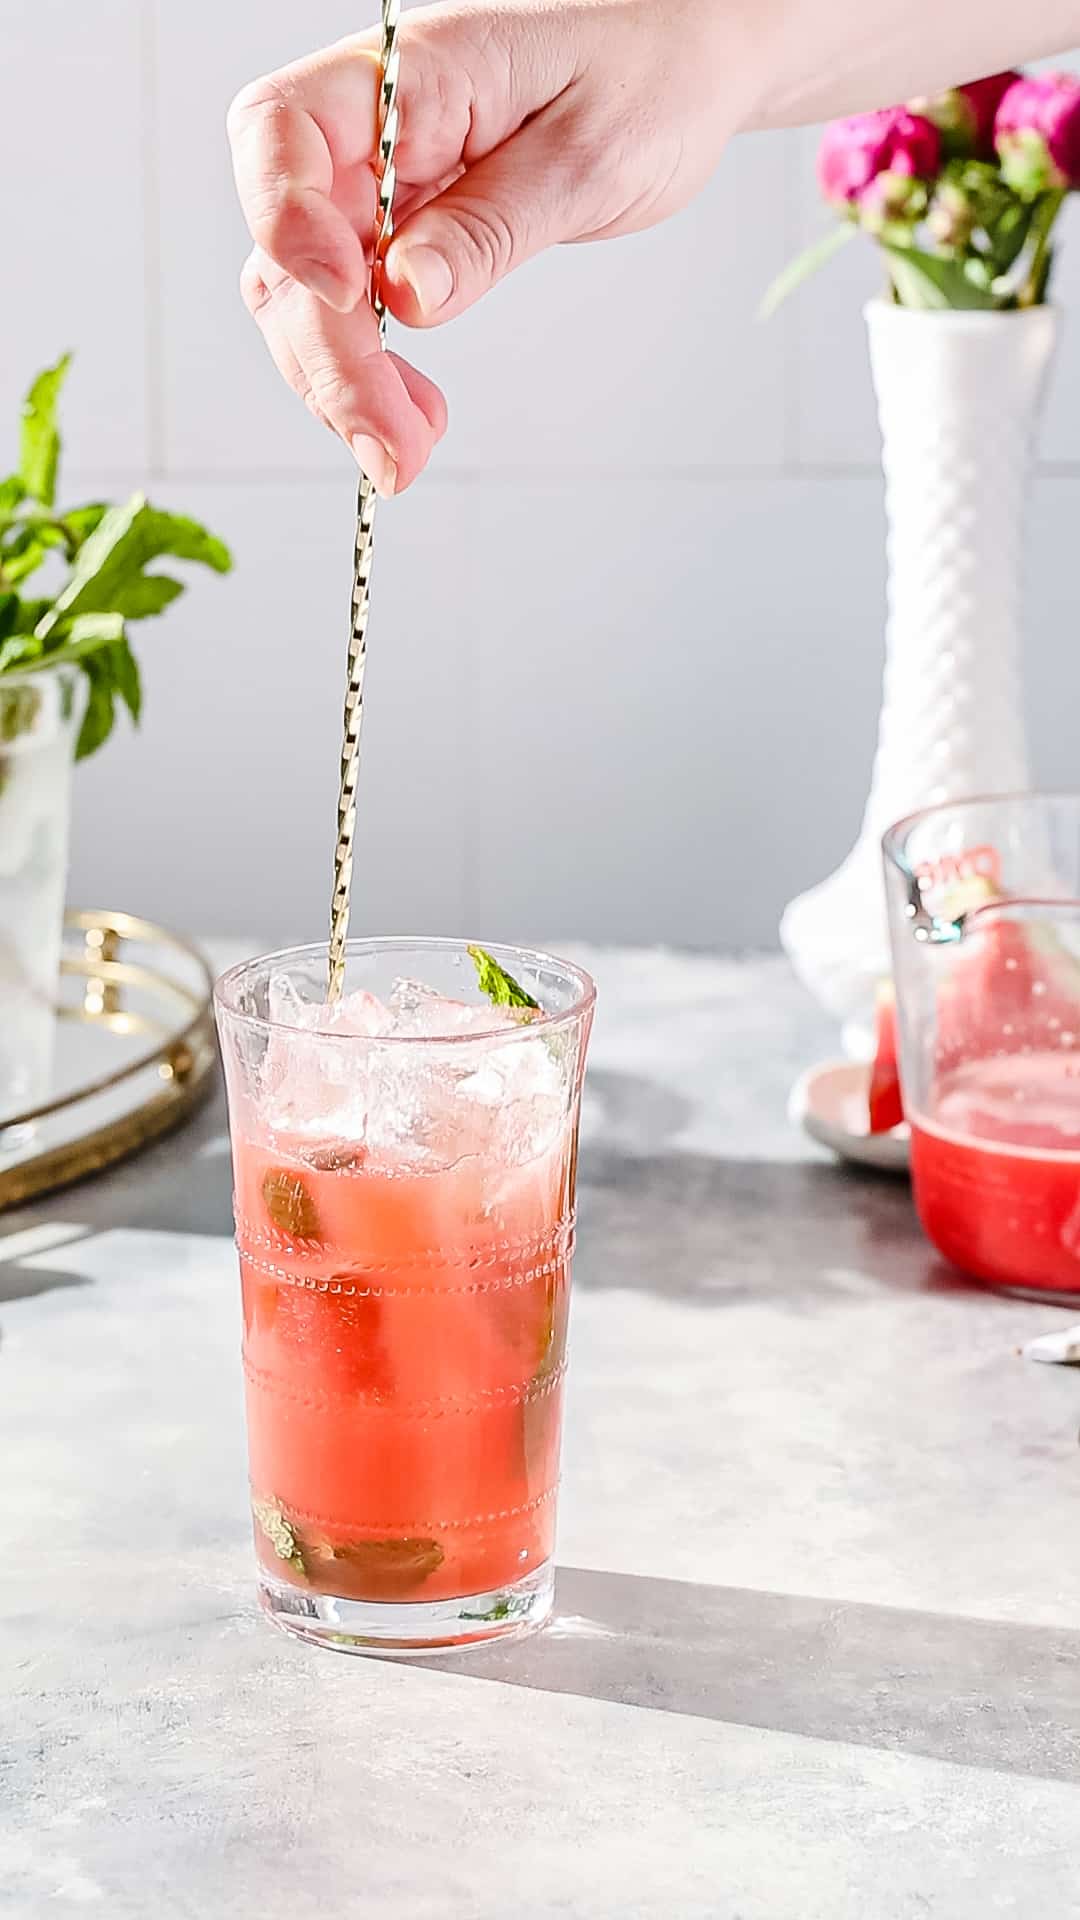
x: 292, y: 136
x: 300, y: 134
x: 387, y: 412
x: 499, y: 213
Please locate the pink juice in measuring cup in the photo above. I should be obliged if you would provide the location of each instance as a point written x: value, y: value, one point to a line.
x: 995, y: 1164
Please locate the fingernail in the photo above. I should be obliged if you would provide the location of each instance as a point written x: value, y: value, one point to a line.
x: 426, y: 271
x: 376, y: 462
x: 328, y: 285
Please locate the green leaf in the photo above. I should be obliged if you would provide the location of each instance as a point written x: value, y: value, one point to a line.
x: 19, y: 652
x: 119, y: 548
x: 500, y: 987
x: 279, y: 1531
x: 928, y: 283
x: 98, y: 716
x: 150, y: 593
x: 29, y: 613
x: 499, y: 1610
x: 39, y: 448
x: 1030, y: 272
x: 77, y: 634
x: 106, y: 559
x: 125, y: 670
x: 1007, y: 233
x: 804, y: 265
x: 186, y: 540
x: 9, y: 614
x: 11, y: 496
x: 24, y: 551
x: 81, y: 522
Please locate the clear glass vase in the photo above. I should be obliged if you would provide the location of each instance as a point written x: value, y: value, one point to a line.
x: 39, y: 721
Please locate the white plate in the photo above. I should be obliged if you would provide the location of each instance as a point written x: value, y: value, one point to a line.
x: 829, y: 1103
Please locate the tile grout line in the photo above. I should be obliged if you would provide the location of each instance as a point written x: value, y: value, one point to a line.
x: 153, y: 331
x: 527, y: 476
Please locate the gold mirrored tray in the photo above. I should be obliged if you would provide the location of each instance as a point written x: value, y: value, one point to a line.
x: 135, y: 1053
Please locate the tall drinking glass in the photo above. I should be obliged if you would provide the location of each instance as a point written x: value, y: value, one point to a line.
x: 404, y: 1167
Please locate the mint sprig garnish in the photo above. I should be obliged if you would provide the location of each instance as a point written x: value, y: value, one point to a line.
x: 500, y: 987
x: 105, y: 551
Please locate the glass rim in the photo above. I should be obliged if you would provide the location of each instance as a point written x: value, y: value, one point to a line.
x: 40, y: 669
x: 227, y: 985
x: 894, y: 839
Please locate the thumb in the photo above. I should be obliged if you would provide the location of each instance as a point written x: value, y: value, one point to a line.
x: 509, y: 206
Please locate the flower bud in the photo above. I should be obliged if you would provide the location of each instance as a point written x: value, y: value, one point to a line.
x: 1037, y: 133
x: 854, y: 152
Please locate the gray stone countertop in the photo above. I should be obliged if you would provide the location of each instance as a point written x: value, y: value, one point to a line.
x: 816, y: 1653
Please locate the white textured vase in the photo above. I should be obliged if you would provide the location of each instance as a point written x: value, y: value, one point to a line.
x: 959, y: 396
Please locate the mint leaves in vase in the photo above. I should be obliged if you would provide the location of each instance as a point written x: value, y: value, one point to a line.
x: 73, y: 580
x: 95, y: 558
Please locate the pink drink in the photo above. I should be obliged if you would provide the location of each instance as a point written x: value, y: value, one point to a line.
x: 996, y: 1169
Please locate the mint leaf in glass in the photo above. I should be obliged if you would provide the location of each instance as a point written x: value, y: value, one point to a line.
x: 502, y: 1609
x: 290, y: 1205
x: 19, y: 708
x: 386, y: 1569
x: 280, y: 1532
x: 500, y: 987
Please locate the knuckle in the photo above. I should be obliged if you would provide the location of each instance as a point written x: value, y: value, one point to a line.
x: 253, y: 103
x: 279, y: 219
x: 253, y: 288
x: 330, y: 392
x: 312, y: 405
x: 489, y: 241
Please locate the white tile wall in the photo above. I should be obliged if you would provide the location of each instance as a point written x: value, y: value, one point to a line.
x: 74, y: 142
x: 627, y: 634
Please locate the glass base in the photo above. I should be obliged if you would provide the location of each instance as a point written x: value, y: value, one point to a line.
x: 411, y: 1627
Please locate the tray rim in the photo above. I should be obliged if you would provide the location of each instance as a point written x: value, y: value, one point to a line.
x: 185, y: 1056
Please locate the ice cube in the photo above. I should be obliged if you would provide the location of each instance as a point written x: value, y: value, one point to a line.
x: 419, y: 1011
x: 359, y: 1014
x: 310, y: 1087
x: 501, y: 1098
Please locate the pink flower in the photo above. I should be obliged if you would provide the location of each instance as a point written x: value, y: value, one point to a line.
x: 965, y: 115
x: 854, y: 152
x: 1037, y: 133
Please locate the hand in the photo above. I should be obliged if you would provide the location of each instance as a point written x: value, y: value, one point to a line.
x: 521, y: 124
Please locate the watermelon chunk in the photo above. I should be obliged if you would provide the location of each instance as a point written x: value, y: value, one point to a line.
x: 885, y: 1102
x: 1013, y: 987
